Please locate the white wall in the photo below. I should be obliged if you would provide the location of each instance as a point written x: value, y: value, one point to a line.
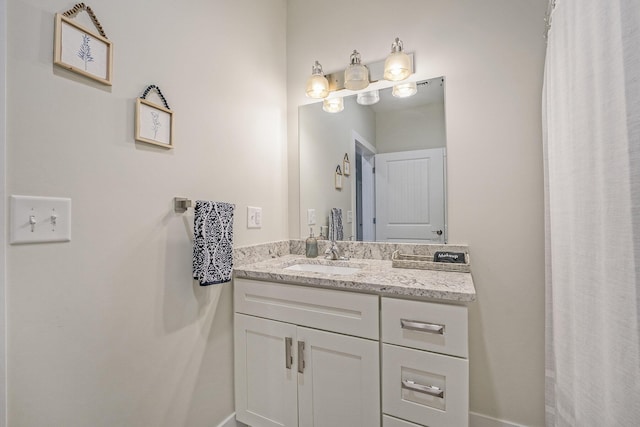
x: 109, y: 329
x: 415, y: 128
x: 492, y: 55
x: 3, y: 93
x: 323, y: 144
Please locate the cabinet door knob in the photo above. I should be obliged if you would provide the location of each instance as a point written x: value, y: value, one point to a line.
x: 415, y: 325
x: 426, y: 389
x: 301, y: 357
x: 288, y: 344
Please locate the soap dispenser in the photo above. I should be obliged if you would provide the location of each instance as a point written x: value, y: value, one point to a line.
x: 312, y: 245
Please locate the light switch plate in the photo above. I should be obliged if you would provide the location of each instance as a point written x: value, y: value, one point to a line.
x: 254, y: 217
x: 349, y: 217
x: 40, y: 219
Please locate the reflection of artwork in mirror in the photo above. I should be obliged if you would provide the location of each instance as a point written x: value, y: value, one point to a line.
x: 338, y: 178
x: 346, y: 165
x: 398, y: 146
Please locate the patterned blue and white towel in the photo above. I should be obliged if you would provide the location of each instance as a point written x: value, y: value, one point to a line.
x: 335, y: 225
x: 213, y: 242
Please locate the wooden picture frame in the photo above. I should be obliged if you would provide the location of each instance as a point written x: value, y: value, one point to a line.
x: 154, y: 124
x: 346, y: 165
x: 338, y: 179
x: 82, y: 51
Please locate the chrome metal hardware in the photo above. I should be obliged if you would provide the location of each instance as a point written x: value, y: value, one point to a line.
x: 181, y: 204
x: 301, y: 357
x: 426, y: 389
x: 332, y: 252
x: 415, y: 325
x: 288, y: 346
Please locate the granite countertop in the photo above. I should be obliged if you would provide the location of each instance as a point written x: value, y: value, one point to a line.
x: 376, y: 276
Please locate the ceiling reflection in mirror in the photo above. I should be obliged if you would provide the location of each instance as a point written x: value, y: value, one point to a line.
x: 390, y: 159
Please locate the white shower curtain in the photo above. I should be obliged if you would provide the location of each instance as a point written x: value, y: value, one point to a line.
x: 591, y: 111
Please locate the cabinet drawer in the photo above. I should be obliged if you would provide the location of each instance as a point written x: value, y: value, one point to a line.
x: 338, y: 311
x: 388, y: 421
x: 425, y: 388
x: 441, y: 328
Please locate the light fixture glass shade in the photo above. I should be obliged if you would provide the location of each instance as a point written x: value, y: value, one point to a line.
x: 404, y: 90
x: 317, y: 84
x: 368, y: 98
x: 397, y: 66
x: 333, y: 105
x: 356, y: 75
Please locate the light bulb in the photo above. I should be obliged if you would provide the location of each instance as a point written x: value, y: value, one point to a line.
x: 368, y: 98
x: 317, y: 84
x: 404, y: 90
x: 397, y: 66
x: 333, y: 105
x: 356, y: 75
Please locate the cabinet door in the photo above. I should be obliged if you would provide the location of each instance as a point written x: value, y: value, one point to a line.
x: 340, y: 383
x: 265, y: 382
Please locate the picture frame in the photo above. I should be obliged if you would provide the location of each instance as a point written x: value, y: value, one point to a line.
x: 346, y: 165
x: 154, y: 124
x: 82, y: 51
x: 338, y: 178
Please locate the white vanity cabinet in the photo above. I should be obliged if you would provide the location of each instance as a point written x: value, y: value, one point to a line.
x: 307, y: 356
x: 295, y: 365
x: 425, y: 371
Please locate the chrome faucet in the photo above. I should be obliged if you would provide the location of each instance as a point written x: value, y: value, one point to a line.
x: 332, y: 251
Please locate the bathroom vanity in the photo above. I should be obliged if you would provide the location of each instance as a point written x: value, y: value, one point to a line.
x: 350, y: 343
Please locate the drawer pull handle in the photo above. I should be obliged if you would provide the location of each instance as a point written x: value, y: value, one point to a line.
x: 426, y: 389
x: 301, y: 357
x: 288, y: 343
x: 422, y: 327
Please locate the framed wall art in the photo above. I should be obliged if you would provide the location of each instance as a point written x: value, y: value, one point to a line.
x: 346, y: 165
x: 154, y: 123
x: 338, y: 181
x: 81, y: 50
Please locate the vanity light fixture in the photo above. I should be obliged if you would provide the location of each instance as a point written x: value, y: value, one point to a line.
x: 397, y: 66
x: 368, y: 98
x: 333, y: 105
x: 356, y: 75
x: 317, y: 84
x: 404, y: 90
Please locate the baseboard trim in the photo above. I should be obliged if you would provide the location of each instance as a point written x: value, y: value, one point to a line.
x: 479, y: 420
x: 230, y: 421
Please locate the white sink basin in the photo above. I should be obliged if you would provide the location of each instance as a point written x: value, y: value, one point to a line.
x: 325, y: 269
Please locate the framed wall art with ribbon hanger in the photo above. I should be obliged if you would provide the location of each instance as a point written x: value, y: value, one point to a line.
x: 154, y: 123
x: 346, y: 165
x: 338, y: 181
x: 81, y: 50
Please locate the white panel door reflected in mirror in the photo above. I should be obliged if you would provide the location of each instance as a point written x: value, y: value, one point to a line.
x: 405, y: 139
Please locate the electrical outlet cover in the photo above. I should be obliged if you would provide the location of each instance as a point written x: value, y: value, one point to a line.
x: 311, y: 216
x: 254, y: 217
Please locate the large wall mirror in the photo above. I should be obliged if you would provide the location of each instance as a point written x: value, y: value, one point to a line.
x: 395, y: 190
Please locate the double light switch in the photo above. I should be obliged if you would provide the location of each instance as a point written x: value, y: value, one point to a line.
x: 40, y: 219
